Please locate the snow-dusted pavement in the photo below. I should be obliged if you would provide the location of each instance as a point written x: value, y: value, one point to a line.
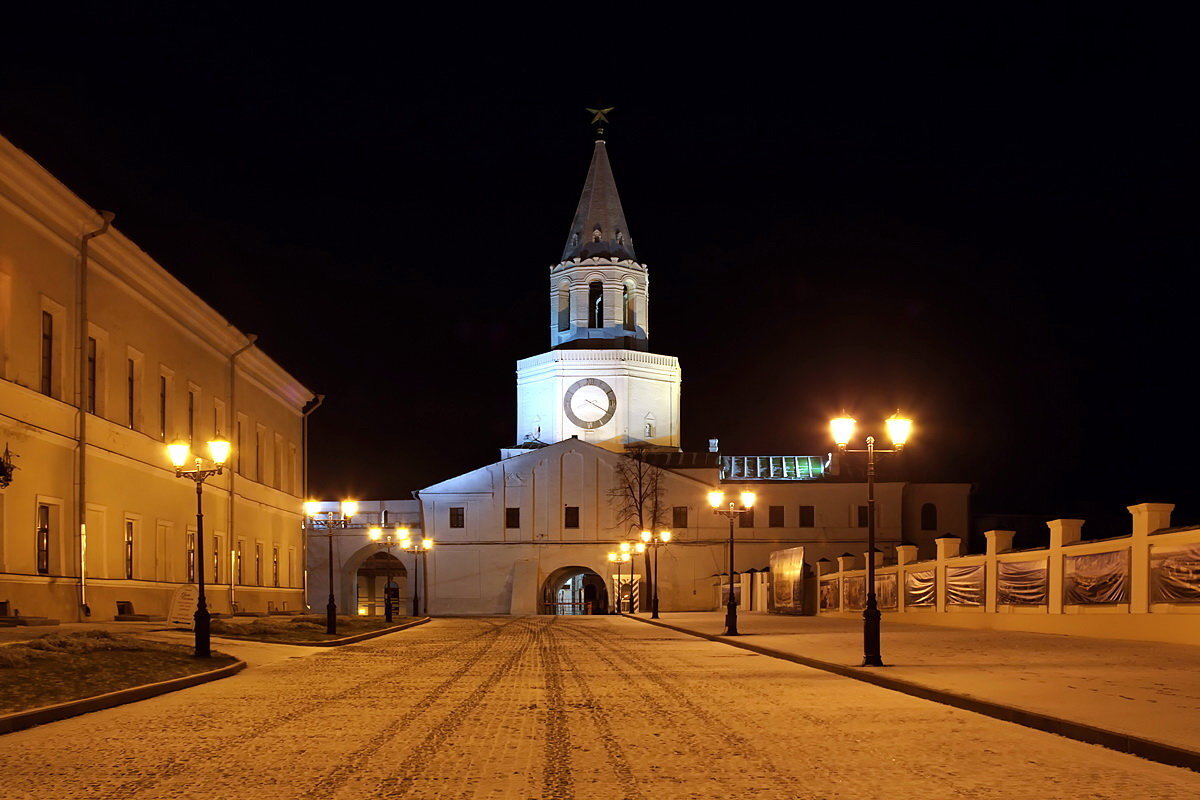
x: 544, y: 707
x: 1146, y: 689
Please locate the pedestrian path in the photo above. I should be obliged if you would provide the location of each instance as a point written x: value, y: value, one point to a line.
x: 557, y: 708
x: 1147, y: 690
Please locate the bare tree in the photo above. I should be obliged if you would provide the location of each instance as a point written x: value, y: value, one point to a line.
x: 637, y: 498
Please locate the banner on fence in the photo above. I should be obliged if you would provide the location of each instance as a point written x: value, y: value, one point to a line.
x: 1175, y: 573
x: 885, y: 591
x: 1023, y: 583
x: 964, y: 585
x: 787, y: 581
x: 829, y: 594
x: 1096, y: 578
x: 920, y: 588
x: 855, y: 598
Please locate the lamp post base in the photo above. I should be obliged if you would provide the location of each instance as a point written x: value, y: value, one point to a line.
x: 331, y: 617
x: 871, y: 618
x: 731, y: 621
x: 203, y: 633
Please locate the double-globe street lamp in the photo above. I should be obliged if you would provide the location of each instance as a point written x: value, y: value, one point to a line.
x: 180, y: 454
x: 401, y: 537
x: 330, y: 522
x: 898, y: 429
x: 654, y: 540
x: 731, y: 511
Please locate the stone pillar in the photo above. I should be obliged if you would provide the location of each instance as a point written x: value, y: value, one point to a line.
x: 906, y: 554
x: 948, y: 546
x: 997, y: 542
x: 1062, y: 532
x: 1147, y: 518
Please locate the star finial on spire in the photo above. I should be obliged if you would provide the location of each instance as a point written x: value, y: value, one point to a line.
x: 599, y: 119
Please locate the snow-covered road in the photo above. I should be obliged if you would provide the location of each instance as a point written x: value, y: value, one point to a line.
x: 544, y: 707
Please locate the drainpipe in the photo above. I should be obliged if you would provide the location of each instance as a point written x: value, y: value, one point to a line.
x: 251, y: 338
x: 312, y: 406
x: 81, y: 406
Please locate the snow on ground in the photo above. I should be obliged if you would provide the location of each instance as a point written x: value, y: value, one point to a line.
x: 1146, y: 689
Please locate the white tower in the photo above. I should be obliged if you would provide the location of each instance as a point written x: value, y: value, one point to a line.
x: 599, y: 382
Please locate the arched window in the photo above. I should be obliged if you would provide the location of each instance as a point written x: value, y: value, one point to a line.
x: 564, y: 306
x: 627, y: 296
x: 929, y: 517
x: 595, y: 304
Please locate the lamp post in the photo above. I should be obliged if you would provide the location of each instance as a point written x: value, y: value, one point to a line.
x: 730, y: 511
x: 400, y: 537
x: 179, y: 453
x: 331, y: 523
x: 619, y: 558
x: 898, y: 429
x: 654, y: 540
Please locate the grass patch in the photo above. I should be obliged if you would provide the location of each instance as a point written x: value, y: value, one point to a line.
x: 310, y: 628
x: 59, y: 667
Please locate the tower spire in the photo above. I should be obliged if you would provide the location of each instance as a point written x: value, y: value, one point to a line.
x: 599, y: 228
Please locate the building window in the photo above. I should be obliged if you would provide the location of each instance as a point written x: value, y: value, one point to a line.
x: 191, y: 557
x: 47, y: 386
x: 241, y: 578
x: 43, y: 539
x: 458, y: 517
x: 571, y: 517
x: 679, y: 517
x: 627, y: 296
x: 259, y: 446
x: 808, y: 516
x: 131, y: 390
x: 191, y: 417
x: 862, y: 516
x: 512, y: 517
x: 746, y: 518
x: 274, y: 566
x: 595, y: 304
x: 162, y: 407
x: 216, y: 557
x: 929, y: 517
x: 129, y: 549
x: 564, y: 306
x: 258, y: 565
x: 91, y: 375
x: 775, y: 516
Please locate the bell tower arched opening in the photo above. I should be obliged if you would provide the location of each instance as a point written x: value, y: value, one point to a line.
x: 574, y: 591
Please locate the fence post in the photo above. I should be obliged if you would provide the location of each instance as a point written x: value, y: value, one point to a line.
x: 845, y: 563
x: 997, y: 542
x: 1147, y: 518
x: 948, y: 546
x: 1062, y: 533
x: 905, y: 554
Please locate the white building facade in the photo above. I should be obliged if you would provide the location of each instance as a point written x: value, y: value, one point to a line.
x: 105, y: 358
x: 534, y: 529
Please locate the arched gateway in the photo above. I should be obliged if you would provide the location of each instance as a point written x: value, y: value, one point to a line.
x: 378, y: 572
x: 574, y: 590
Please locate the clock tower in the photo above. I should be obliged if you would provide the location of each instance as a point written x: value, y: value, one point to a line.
x: 599, y: 381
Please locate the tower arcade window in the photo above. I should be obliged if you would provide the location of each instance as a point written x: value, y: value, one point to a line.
x: 595, y: 304
x: 627, y: 297
x: 564, y: 306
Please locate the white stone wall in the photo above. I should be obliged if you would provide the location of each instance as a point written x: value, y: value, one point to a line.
x: 135, y: 310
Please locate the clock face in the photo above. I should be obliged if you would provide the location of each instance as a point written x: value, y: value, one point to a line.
x: 590, y: 403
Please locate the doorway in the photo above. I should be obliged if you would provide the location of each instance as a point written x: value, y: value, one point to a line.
x: 573, y: 591
x: 377, y: 574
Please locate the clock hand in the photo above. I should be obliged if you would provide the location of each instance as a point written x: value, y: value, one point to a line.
x: 593, y: 402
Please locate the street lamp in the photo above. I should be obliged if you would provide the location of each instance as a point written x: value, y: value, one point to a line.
x: 619, y: 558
x: 654, y: 540
x: 400, y: 537
x: 898, y: 429
x: 312, y: 509
x: 716, y: 499
x: 179, y: 453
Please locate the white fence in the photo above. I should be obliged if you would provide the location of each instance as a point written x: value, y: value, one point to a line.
x: 1142, y: 586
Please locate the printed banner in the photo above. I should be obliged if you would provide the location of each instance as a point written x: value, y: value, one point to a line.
x: 1096, y: 578
x: 829, y: 594
x: 855, y: 598
x: 1175, y: 573
x: 964, y: 586
x: 920, y: 588
x: 1023, y: 583
x: 886, y: 592
x: 787, y: 581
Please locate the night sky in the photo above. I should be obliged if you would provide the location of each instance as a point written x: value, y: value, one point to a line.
x: 987, y: 222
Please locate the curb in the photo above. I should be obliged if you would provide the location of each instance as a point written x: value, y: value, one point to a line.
x: 1149, y: 749
x: 358, y: 637
x: 73, y: 708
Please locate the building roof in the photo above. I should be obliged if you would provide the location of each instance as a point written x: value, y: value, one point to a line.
x: 599, y: 227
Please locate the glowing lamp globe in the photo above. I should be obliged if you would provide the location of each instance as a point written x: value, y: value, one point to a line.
x: 178, y: 453
x: 716, y: 498
x: 219, y: 449
x: 842, y: 429
x: 899, y: 428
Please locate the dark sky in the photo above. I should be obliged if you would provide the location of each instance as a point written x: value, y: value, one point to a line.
x: 987, y: 221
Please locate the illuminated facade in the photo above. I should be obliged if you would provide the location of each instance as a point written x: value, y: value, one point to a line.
x: 104, y: 358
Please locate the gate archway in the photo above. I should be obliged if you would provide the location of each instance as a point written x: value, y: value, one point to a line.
x: 574, y: 590
x: 377, y: 572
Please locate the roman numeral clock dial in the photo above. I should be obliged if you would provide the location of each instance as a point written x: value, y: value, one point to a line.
x: 590, y: 403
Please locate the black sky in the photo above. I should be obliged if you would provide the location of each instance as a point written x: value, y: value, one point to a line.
x: 986, y: 220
